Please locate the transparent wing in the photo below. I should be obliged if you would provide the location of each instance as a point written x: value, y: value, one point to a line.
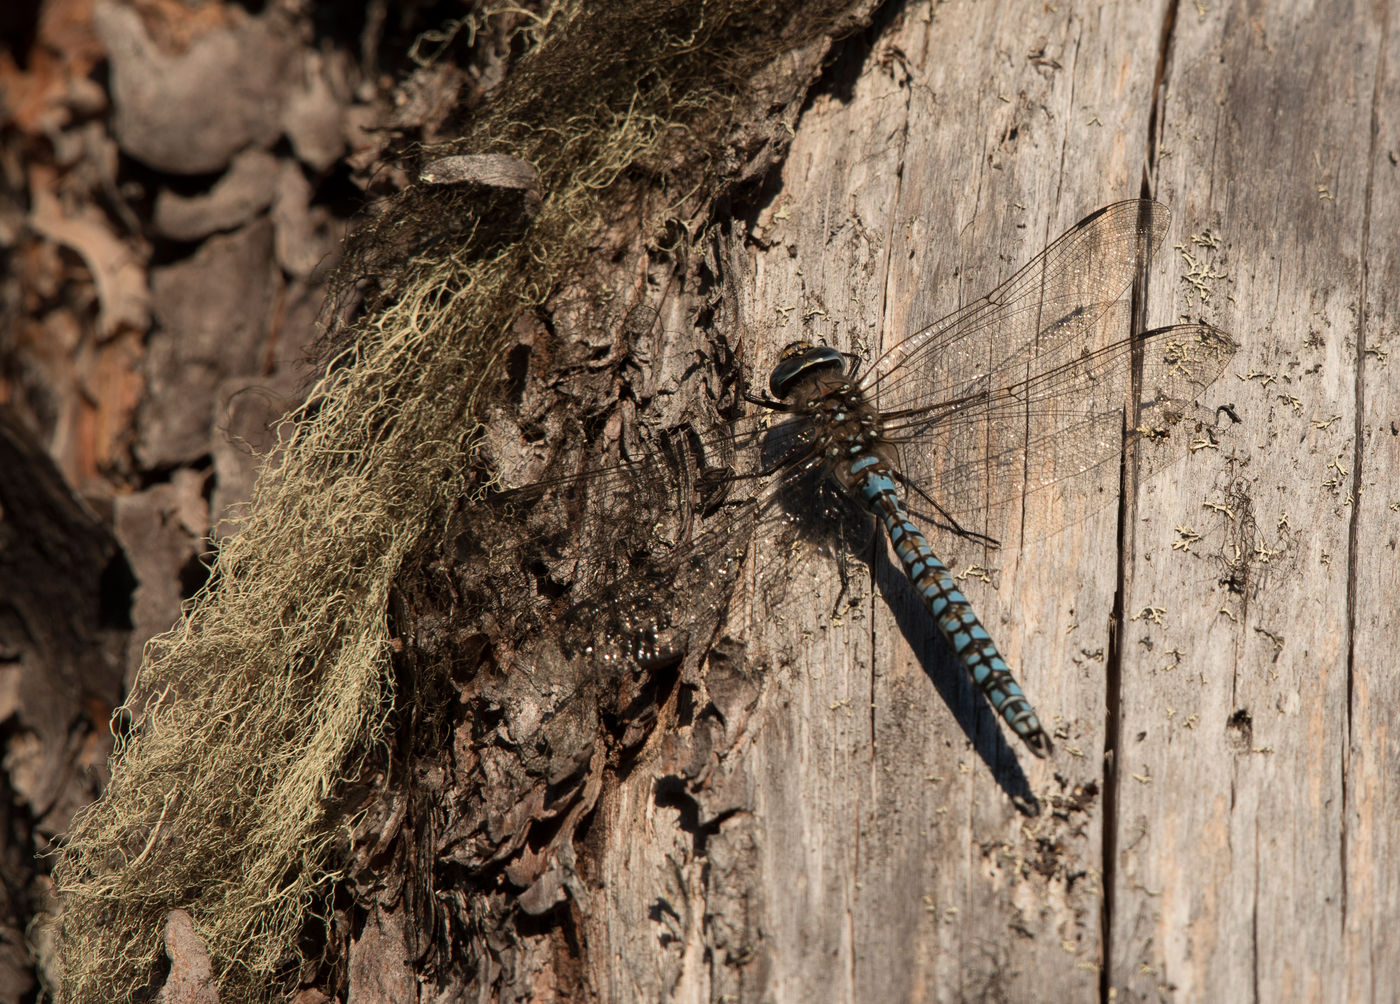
x: 640, y: 555
x: 1058, y: 432
x: 1051, y: 303
x: 678, y: 484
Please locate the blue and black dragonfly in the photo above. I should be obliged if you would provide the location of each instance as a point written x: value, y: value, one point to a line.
x: 1032, y: 392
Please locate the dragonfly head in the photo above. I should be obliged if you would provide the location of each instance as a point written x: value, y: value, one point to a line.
x: 799, y: 361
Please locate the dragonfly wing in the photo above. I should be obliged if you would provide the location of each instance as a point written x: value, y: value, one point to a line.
x: 630, y: 560
x: 654, y: 495
x: 1055, y: 437
x: 1053, y: 301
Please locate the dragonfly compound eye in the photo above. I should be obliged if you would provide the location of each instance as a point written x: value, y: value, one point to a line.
x: 799, y: 361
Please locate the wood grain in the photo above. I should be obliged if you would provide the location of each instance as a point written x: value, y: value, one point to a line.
x: 1370, y: 874
x: 1216, y: 822
x: 1238, y: 867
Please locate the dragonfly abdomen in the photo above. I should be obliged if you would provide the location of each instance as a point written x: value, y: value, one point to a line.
x: 870, y: 479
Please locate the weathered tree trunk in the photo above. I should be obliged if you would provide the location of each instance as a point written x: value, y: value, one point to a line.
x: 1215, y: 823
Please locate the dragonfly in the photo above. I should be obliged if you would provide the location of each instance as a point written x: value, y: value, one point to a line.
x: 1030, y: 392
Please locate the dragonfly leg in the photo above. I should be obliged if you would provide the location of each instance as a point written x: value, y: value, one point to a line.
x: 945, y: 520
x: 772, y: 404
x: 846, y: 545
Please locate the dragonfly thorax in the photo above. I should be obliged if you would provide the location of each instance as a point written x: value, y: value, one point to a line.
x: 841, y: 423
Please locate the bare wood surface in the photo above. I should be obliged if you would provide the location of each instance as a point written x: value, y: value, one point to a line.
x: 1212, y: 824
x: 1252, y: 863
x: 1370, y: 740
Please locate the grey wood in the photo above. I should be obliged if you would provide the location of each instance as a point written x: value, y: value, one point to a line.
x: 1237, y: 876
x: 1216, y: 822
x: 1370, y: 862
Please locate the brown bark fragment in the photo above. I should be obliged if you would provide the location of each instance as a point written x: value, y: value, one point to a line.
x: 191, y: 976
